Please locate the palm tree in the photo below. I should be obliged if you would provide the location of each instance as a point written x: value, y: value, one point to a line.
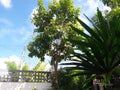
x: 99, y: 50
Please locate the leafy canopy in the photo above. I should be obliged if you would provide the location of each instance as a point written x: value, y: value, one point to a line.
x: 52, y: 29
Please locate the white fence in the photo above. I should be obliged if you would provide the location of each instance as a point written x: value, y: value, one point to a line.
x: 24, y: 76
x: 24, y: 80
x: 24, y: 86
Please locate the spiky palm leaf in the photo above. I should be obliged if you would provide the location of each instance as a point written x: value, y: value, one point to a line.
x: 100, y: 47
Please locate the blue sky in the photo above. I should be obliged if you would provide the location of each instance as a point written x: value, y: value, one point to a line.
x: 16, y: 28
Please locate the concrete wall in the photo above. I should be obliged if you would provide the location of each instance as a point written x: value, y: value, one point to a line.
x: 24, y: 86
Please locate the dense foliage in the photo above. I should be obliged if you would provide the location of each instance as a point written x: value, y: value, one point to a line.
x: 100, y: 52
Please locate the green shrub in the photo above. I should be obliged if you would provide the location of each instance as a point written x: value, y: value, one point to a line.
x: 69, y: 82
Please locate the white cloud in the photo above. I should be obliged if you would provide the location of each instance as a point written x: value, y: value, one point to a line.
x: 6, y: 3
x: 13, y: 58
x: 6, y: 22
x: 16, y: 35
x: 92, y: 4
x: 79, y: 0
x: 10, y: 59
x: 89, y: 7
x: 24, y: 34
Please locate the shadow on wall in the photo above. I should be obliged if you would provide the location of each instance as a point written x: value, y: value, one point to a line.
x: 24, y: 86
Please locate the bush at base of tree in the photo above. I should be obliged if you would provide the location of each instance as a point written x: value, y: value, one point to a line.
x: 67, y: 81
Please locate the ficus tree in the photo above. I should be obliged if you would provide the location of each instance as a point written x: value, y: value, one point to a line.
x: 52, y: 29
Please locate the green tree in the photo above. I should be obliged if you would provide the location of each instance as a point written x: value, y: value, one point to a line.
x: 11, y: 66
x: 112, y: 3
x: 41, y: 66
x: 100, y: 52
x: 52, y: 30
x: 14, y: 66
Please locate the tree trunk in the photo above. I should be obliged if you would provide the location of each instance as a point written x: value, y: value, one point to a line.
x: 56, y: 58
x: 56, y: 75
x: 55, y: 72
